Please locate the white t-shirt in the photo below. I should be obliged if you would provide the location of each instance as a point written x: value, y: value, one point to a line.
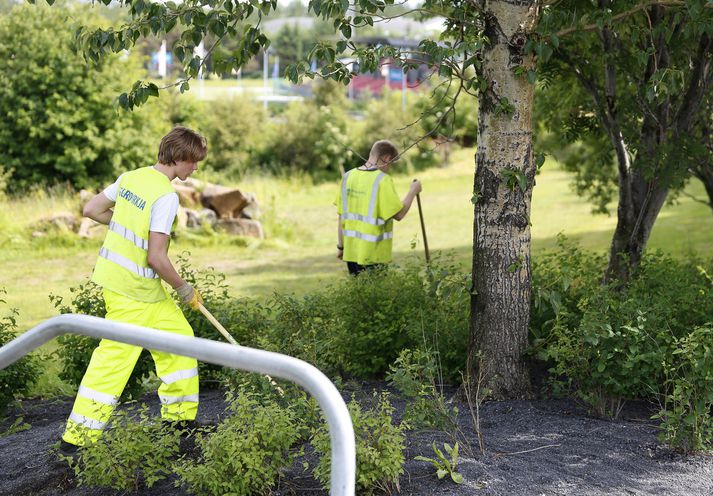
x: 163, y: 210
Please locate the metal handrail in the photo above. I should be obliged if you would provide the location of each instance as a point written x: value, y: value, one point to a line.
x: 341, y: 431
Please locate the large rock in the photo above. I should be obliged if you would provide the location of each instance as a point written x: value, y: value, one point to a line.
x: 252, y: 209
x: 198, y: 218
x: 242, y: 227
x: 188, y: 197
x: 59, y: 220
x: 224, y: 201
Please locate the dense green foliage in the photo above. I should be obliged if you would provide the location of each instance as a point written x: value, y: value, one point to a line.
x: 60, y: 123
x: 134, y: 451
x: 379, y: 445
x: 418, y: 377
x: 233, y: 129
x: 687, y: 411
x: 406, y: 308
x: 647, y: 341
x: 16, y: 379
x: 245, y: 452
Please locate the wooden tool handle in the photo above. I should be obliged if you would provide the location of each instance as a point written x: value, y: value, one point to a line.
x: 216, y: 324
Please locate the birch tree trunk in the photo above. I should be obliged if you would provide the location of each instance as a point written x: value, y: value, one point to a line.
x: 500, y: 302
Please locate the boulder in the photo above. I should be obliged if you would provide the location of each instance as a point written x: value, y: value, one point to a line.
x: 242, y: 227
x: 207, y: 216
x: 252, y: 209
x: 188, y: 197
x: 59, y: 220
x: 224, y: 201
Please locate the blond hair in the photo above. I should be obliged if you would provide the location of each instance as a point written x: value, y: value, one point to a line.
x: 182, y: 144
x: 382, y: 148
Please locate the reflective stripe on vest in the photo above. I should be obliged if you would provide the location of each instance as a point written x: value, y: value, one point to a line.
x: 368, y: 237
x: 90, y: 394
x: 146, y: 272
x: 129, y: 235
x: 369, y: 219
x: 170, y: 400
x: 178, y: 375
x: 96, y: 425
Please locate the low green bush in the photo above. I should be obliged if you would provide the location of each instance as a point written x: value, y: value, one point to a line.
x: 16, y: 379
x: 246, y: 452
x: 687, y: 411
x: 644, y: 341
x: 416, y: 374
x: 133, y: 451
x: 379, y: 448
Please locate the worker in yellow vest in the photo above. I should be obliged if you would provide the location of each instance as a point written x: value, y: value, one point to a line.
x: 367, y: 204
x: 140, y: 210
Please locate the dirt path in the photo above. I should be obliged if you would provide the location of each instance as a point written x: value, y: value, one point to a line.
x: 545, y: 447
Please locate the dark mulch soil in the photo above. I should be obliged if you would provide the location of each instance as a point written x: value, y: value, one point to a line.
x: 541, y: 447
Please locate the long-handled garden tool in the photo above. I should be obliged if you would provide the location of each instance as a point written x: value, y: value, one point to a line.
x: 232, y: 340
x: 423, y: 227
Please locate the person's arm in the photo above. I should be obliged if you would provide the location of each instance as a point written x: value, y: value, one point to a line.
x: 408, y: 199
x: 158, y: 259
x: 340, y: 238
x: 99, y: 209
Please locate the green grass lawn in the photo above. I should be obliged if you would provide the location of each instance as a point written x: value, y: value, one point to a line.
x: 300, y: 222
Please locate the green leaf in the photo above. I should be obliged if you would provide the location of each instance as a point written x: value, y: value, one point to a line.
x: 441, y: 473
x: 457, y: 478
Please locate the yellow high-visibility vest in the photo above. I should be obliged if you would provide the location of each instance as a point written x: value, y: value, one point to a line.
x: 366, y: 202
x: 122, y: 264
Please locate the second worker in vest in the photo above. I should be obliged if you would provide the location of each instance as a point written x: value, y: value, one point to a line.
x: 367, y: 204
x: 140, y: 210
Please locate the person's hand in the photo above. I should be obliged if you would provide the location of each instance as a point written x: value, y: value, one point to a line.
x: 416, y: 186
x: 340, y: 252
x: 190, y: 296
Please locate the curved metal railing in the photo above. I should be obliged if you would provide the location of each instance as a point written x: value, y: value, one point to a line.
x: 341, y: 431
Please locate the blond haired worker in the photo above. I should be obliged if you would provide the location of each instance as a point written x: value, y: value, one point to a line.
x: 367, y: 204
x: 140, y: 210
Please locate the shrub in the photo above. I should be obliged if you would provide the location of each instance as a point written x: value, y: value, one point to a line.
x: 245, y: 453
x: 610, y: 344
x: 304, y: 328
x: 130, y: 450
x: 417, y: 376
x: 16, y: 379
x: 232, y: 127
x: 306, y: 139
x: 59, y: 120
x: 379, y: 449
x: 377, y: 310
x: 687, y: 411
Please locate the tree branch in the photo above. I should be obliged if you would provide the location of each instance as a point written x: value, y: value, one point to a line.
x: 627, y: 13
x: 697, y: 87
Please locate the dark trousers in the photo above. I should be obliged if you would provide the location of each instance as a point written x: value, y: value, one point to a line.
x: 355, y: 269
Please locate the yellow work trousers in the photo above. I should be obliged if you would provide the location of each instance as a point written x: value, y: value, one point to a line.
x: 112, y: 363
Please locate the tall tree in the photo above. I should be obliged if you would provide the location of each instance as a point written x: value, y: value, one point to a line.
x: 486, y: 52
x: 631, y: 77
